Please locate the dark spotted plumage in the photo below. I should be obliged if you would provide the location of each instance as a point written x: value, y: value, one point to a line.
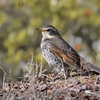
x: 57, y: 51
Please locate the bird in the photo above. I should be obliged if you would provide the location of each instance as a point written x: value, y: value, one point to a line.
x: 57, y: 52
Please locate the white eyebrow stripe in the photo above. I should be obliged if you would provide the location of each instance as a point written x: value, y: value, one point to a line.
x: 50, y: 27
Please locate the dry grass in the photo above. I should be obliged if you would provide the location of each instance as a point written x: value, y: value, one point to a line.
x: 35, y: 85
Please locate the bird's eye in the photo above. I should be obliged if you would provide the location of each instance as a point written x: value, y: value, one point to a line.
x: 48, y: 30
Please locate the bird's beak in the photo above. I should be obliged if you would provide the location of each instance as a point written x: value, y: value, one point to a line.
x: 40, y: 29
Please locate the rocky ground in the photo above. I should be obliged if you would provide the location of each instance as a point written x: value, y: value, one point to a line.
x: 52, y: 87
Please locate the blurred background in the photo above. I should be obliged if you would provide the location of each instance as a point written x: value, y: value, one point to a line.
x: 78, y: 21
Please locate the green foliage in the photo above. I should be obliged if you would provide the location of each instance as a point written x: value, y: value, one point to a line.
x: 19, y: 18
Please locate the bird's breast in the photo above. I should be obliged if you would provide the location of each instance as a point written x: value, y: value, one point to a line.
x: 49, y: 56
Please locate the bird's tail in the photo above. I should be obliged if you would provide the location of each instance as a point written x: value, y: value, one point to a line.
x: 86, y: 64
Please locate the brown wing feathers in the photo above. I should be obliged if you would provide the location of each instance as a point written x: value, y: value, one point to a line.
x: 68, y: 58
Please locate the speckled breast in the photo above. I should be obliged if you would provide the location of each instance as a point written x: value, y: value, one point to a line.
x: 49, y: 56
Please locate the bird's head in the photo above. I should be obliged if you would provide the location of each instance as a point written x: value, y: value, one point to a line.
x: 48, y: 32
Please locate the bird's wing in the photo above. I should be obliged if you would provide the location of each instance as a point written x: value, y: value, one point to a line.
x: 69, y: 56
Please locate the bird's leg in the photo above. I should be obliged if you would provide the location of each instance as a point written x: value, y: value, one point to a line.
x: 63, y: 69
x: 64, y: 72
